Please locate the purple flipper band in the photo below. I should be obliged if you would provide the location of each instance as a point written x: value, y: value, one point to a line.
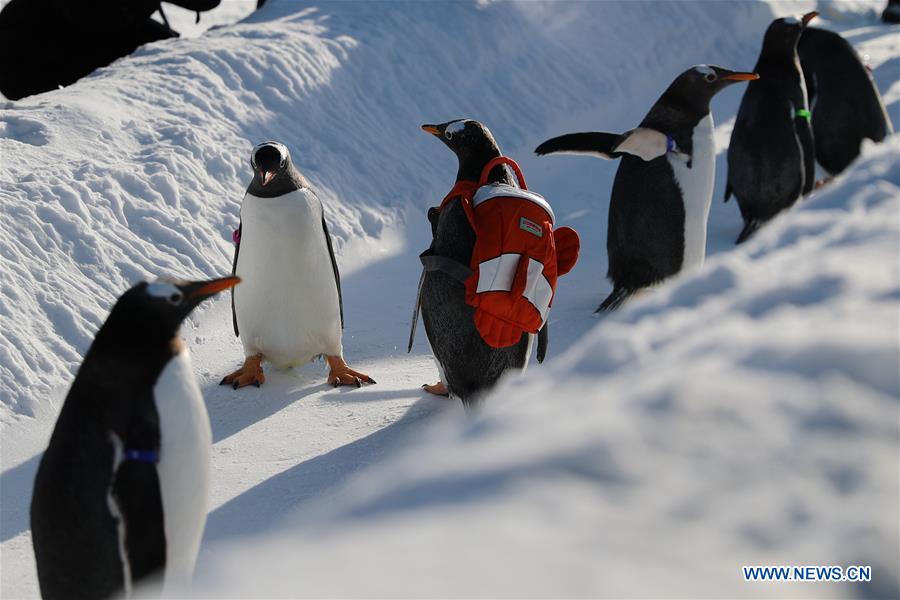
x: 236, y: 236
x: 670, y: 143
x: 144, y: 456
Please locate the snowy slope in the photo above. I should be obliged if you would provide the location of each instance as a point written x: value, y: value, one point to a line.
x: 745, y: 415
x: 711, y: 416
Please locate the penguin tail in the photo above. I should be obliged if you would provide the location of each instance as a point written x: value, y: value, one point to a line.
x: 750, y: 227
x: 728, y: 191
x: 593, y: 143
x: 614, y: 300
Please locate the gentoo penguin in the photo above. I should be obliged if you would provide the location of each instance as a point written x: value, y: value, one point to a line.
x: 468, y: 365
x: 771, y: 157
x: 120, y: 496
x: 663, y: 187
x: 844, y: 100
x: 289, y: 308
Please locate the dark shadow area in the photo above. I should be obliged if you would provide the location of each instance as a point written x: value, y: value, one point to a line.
x: 259, y: 507
x: 14, y: 504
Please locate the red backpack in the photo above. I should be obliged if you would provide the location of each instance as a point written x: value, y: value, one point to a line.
x: 516, y: 260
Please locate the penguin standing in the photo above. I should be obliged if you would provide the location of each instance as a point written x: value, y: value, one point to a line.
x: 771, y: 157
x: 120, y: 495
x: 844, y: 100
x: 663, y: 187
x: 289, y: 308
x: 468, y: 365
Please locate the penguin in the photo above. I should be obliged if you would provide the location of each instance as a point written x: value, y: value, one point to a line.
x: 468, y: 366
x: 771, y: 156
x: 663, y: 187
x: 844, y: 100
x: 120, y: 496
x: 289, y: 309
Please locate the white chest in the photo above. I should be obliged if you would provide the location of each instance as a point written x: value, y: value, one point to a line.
x: 287, y: 304
x: 184, y: 464
x: 696, y: 183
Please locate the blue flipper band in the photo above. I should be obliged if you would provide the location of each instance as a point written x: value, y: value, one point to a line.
x: 670, y: 143
x: 144, y: 456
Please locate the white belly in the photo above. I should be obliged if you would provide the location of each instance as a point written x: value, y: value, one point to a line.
x: 696, y: 185
x: 184, y: 464
x: 287, y: 303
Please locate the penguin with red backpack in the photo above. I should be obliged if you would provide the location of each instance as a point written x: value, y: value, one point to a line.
x: 489, y: 276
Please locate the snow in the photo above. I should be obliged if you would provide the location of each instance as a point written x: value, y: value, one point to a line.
x: 746, y: 413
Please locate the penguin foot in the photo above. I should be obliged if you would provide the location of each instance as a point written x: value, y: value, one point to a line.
x: 251, y: 373
x: 438, y: 389
x: 340, y: 373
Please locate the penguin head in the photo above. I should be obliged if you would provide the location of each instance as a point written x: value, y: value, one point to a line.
x: 705, y: 81
x: 154, y: 310
x: 271, y: 162
x: 471, y: 141
x: 783, y: 34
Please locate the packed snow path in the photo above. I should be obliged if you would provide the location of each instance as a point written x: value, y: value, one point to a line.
x: 139, y: 170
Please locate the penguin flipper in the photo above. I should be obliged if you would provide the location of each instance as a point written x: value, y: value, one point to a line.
x: 237, y: 250
x: 594, y: 143
x: 647, y: 144
x: 334, y: 266
x: 543, y: 336
x: 139, y: 501
x: 728, y: 191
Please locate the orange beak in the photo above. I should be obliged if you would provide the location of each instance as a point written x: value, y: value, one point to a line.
x: 809, y: 17
x: 742, y: 76
x: 209, y: 288
x: 432, y: 129
x: 267, y: 177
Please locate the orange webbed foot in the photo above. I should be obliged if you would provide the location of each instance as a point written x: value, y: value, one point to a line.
x: 340, y: 373
x: 251, y: 373
x: 438, y: 389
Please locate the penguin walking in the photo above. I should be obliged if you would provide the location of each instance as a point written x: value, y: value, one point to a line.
x: 289, y: 309
x: 468, y: 366
x: 120, y: 496
x: 771, y: 156
x: 844, y: 100
x: 663, y: 188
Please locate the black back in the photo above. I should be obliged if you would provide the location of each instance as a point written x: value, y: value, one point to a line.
x: 771, y: 156
x: 471, y: 367
x: 75, y: 536
x: 846, y: 105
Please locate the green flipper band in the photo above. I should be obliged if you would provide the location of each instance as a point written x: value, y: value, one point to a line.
x: 802, y: 112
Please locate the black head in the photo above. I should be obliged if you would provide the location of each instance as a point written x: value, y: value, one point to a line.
x: 472, y: 143
x: 151, y: 312
x: 695, y: 87
x: 780, y: 41
x: 273, y: 172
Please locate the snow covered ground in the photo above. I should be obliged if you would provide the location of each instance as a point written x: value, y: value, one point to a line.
x: 747, y: 414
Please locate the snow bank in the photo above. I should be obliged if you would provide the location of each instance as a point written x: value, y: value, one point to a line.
x: 139, y: 169
x: 746, y: 415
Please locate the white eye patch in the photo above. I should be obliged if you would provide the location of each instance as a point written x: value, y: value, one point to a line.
x: 791, y: 20
x: 455, y: 127
x: 704, y: 70
x: 162, y: 289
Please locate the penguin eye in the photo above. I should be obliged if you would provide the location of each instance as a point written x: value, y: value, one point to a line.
x: 710, y: 77
x: 175, y: 298
x: 282, y: 163
x: 448, y: 135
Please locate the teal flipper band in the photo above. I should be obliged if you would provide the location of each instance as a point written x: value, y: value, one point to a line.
x: 802, y: 112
